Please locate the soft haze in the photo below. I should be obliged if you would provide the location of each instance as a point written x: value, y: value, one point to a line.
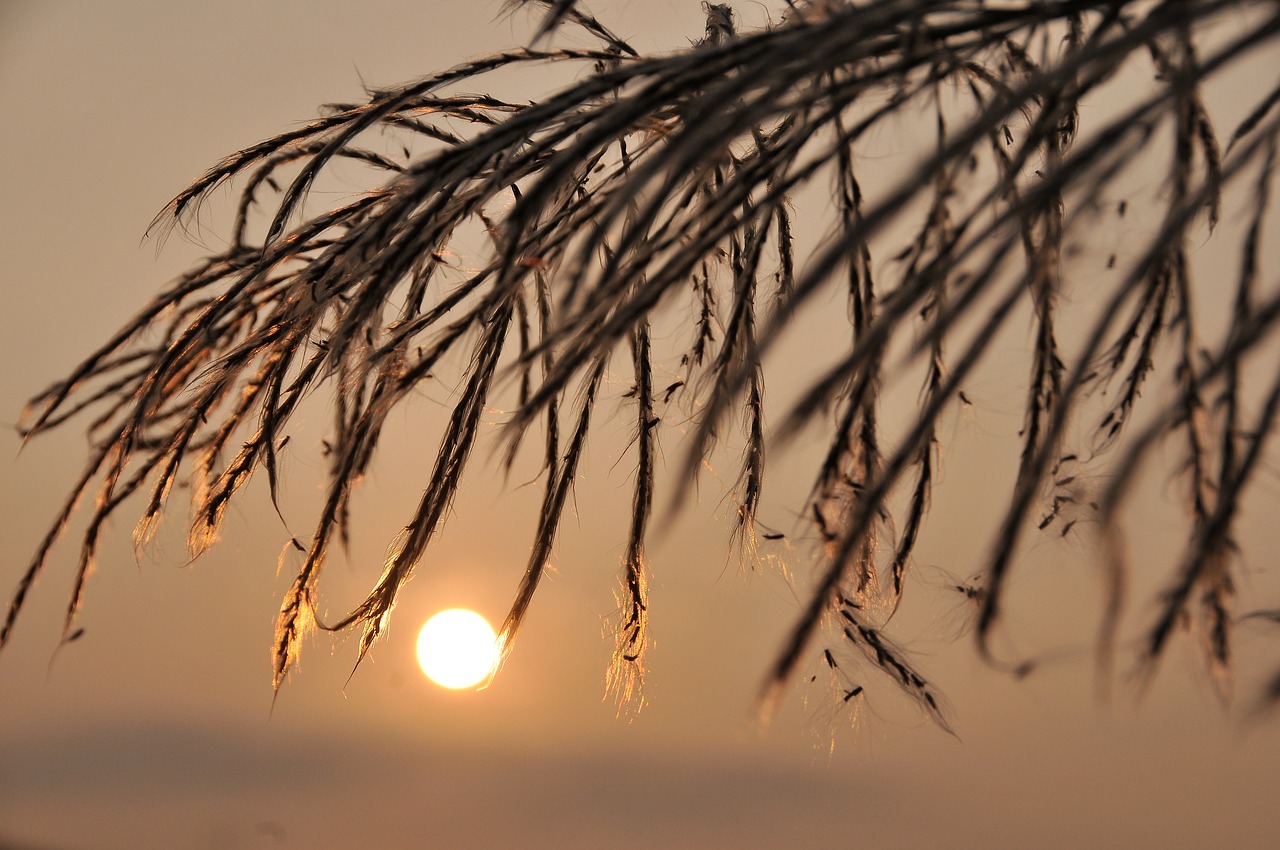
x: 156, y: 730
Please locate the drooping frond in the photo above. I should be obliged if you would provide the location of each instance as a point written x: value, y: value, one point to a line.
x: 540, y: 238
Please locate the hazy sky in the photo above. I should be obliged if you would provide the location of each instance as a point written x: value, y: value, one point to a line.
x: 154, y: 729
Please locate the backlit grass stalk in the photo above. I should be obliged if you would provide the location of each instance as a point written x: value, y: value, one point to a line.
x: 649, y: 183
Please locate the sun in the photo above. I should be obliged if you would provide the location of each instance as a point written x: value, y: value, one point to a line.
x: 457, y: 648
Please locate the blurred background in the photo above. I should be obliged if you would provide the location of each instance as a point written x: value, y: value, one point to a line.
x: 156, y: 729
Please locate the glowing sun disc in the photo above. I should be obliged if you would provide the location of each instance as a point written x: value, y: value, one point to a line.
x: 457, y: 648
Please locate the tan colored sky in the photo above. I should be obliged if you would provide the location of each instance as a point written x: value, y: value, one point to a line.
x: 153, y: 730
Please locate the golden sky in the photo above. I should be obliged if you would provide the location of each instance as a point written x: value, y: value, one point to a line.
x: 154, y: 729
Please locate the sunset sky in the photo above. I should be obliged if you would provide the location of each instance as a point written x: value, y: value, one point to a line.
x: 156, y: 729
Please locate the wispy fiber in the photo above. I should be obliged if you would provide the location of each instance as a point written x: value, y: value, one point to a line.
x: 653, y: 186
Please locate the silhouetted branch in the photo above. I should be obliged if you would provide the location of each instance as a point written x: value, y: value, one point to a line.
x: 652, y: 181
